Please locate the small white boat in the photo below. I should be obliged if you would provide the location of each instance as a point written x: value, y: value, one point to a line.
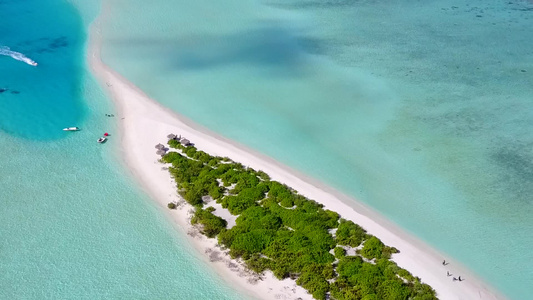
x: 71, y: 129
x: 33, y: 64
x: 102, y: 140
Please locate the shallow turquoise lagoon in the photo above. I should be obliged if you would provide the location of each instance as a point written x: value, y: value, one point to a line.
x: 72, y: 225
x: 421, y: 109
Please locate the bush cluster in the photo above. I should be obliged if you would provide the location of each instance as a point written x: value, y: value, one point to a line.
x: 279, y: 230
x: 211, y: 224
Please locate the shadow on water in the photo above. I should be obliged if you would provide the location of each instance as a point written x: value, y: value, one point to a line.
x: 268, y: 46
x: 313, y: 4
x: 518, y: 169
x: 273, y: 48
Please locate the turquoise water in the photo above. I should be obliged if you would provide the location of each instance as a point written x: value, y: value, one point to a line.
x: 72, y: 225
x: 421, y: 109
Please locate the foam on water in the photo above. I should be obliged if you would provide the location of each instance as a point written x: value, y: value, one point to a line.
x: 4, y: 50
x: 421, y: 109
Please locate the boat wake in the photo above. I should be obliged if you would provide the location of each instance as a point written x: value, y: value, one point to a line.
x: 4, y: 50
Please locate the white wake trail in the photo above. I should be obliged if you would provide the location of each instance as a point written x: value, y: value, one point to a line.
x: 4, y: 50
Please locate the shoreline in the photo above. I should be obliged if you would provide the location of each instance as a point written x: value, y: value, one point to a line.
x: 147, y: 123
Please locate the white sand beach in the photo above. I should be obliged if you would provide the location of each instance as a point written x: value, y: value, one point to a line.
x: 144, y: 123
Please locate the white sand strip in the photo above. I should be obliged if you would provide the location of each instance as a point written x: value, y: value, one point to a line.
x: 145, y: 123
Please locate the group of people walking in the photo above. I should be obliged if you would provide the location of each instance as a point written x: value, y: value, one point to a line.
x: 444, y: 263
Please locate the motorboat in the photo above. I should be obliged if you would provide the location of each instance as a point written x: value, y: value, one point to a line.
x: 33, y: 64
x: 71, y: 129
x: 102, y: 140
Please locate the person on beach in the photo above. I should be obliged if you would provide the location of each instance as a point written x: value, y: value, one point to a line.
x: 448, y: 273
x: 460, y: 278
x: 444, y: 262
x: 454, y: 279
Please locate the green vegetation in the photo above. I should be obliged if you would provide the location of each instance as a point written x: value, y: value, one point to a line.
x: 172, y: 205
x: 350, y: 234
x: 211, y: 224
x: 374, y: 248
x: 282, y: 231
x: 339, y: 252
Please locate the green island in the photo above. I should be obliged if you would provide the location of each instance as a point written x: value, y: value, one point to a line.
x: 279, y: 230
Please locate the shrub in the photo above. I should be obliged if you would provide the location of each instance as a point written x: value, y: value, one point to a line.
x: 215, y: 191
x: 339, y: 252
x: 173, y: 143
x: 226, y: 237
x: 258, y: 264
x: 264, y: 176
x: 287, y: 202
x: 349, y: 266
x: 314, y: 278
x: 372, y: 248
x: 190, y: 151
x: 172, y: 205
x: 211, y: 224
x: 393, y: 289
x: 388, y: 251
x: 251, y: 242
x: 192, y: 196
x: 350, y: 234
